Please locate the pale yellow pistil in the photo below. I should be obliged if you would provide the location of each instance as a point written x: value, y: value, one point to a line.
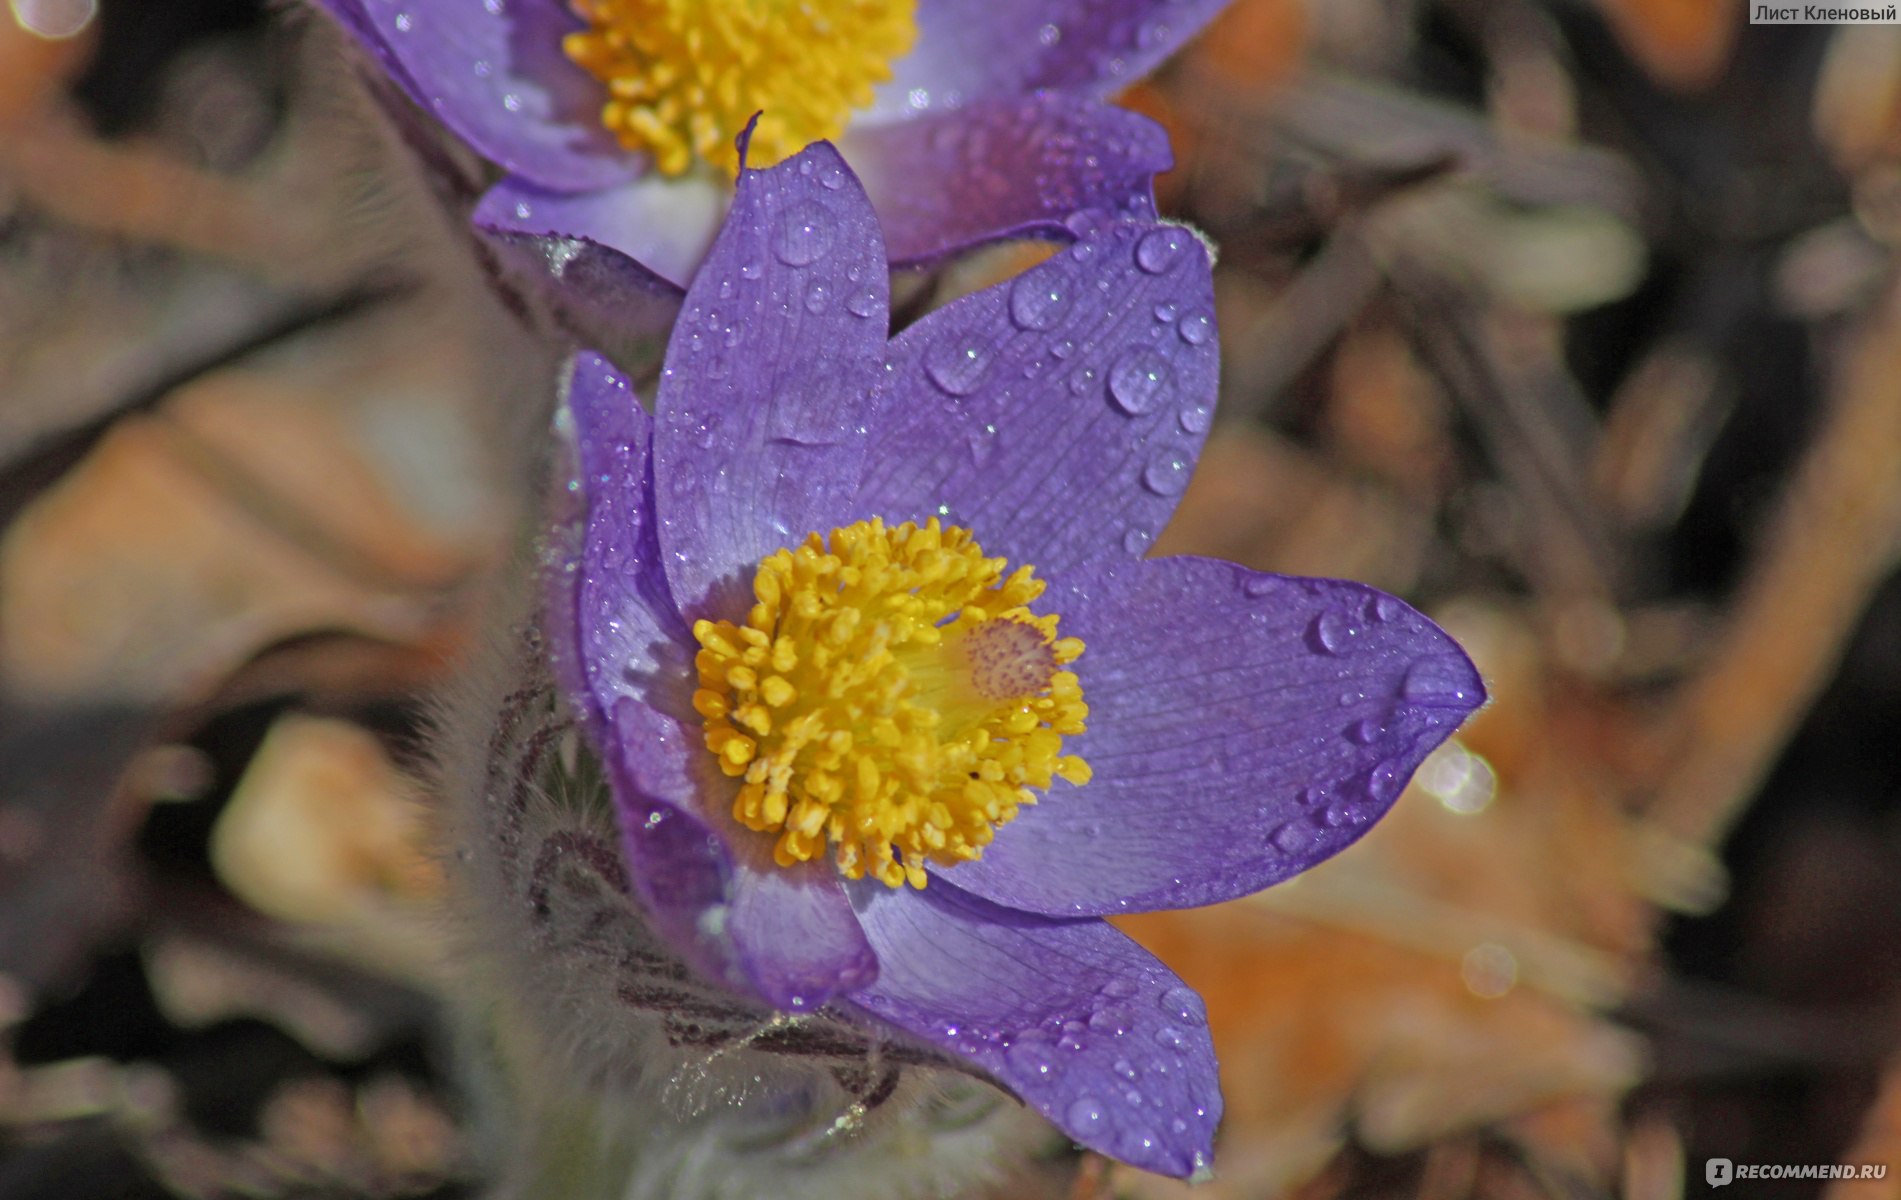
x: 684, y: 76
x: 890, y: 695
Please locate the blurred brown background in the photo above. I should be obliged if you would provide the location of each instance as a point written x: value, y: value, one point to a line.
x: 1575, y: 323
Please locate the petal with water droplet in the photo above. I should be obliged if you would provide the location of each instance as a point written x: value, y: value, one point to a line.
x: 754, y: 444
x: 552, y: 132
x: 970, y: 50
x: 1004, y: 168
x: 1089, y: 455
x: 1081, y: 1007
x: 1213, y: 714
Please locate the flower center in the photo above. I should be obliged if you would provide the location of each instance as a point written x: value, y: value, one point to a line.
x: 890, y: 694
x: 684, y: 76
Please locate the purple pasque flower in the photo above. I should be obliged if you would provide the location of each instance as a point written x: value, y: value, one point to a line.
x: 1239, y: 727
x: 992, y: 125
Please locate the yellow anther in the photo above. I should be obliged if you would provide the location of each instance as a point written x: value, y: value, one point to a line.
x: 914, y: 704
x: 684, y: 76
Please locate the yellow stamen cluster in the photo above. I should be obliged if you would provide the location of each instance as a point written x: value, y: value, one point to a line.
x: 890, y: 694
x: 684, y: 76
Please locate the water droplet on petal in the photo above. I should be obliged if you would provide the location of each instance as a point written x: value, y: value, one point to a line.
x: 1171, y: 1038
x: 1031, y: 1060
x: 1384, y: 781
x: 1126, y: 1069
x: 862, y: 303
x: 1159, y: 248
x: 1119, y: 989
x: 1136, y: 541
x: 1165, y: 312
x: 1062, y: 350
x: 832, y: 177
x: 1082, y: 381
x: 404, y: 22
x: 1435, y: 680
x: 1296, y: 837
x: 816, y: 298
x: 1086, y: 1116
x: 1040, y: 299
x: 956, y: 362
x: 751, y: 270
x: 1365, y: 732
x: 1195, y: 418
x: 1183, y: 1004
x: 1114, y: 1021
x: 1196, y: 328
x: 802, y: 234
x: 1140, y: 380
x: 1166, y: 476
x: 1332, y: 632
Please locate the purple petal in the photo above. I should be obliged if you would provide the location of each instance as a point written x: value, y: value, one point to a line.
x: 601, y: 297
x: 1057, y: 416
x: 627, y: 639
x: 788, y: 937
x: 768, y: 377
x: 1083, y: 1024
x: 969, y: 50
x: 1006, y: 167
x: 681, y: 870
x: 1242, y: 727
x: 494, y: 72
x: 664, y: 225
x: 798, y: 940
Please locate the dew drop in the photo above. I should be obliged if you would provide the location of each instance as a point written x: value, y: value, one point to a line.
x: 1365, y: 732
x: 1258, y: 586
x: 1434, y: 680
x: 1086, y: 1116
x: 1082, y: 381
x: 1386, y: 608
x: 751, y: 270
x: 1031, y: 1060
x: 832, y: 177
x: 1295, y: 837
x: 404, y: 22
x: 1159, y: 248
x: 1166, y: 476
x: 1140, y: 380
x: 1040, y: 299
x: 511, y: 101
x: 1184, y: 1005
x: 1165, y: 312
x: 1126, y: 1069
x: 1333, y: 632
x: 862, y: 303
x: 523, y: 210
x: 1062, y: 350
x: 1383, y: 782
x: 1171, y: 1038
x: 1195, y: 418
x: 1196, y: 328
x: 816, y: 298
x: 1114, y: 1021
x: 1136, y: 541
x: 1119, y: 989
x: 956, y: 363
x: 802, y: 234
